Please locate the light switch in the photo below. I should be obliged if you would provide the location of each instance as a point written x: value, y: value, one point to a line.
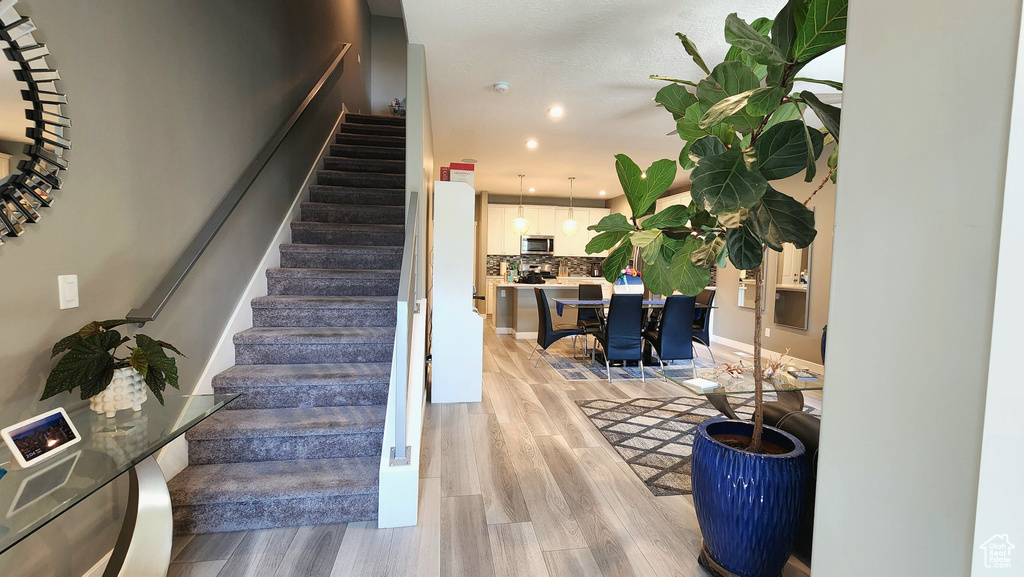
x: 67, y: 285
x: 502, y: 292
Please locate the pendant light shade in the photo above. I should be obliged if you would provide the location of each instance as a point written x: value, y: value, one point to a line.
x: 519, y: 223
x: 569, y: 226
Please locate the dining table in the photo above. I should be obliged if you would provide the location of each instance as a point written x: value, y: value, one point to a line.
x: 560, y: 304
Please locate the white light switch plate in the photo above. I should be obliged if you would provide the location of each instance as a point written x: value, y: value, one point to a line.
x: 67, y: 285
x: 767, y: 332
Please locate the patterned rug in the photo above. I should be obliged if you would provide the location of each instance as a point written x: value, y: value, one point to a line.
x: 655, y: 436
x: 581, y: 369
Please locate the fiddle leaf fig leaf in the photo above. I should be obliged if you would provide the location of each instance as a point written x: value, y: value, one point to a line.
x: 812, y: 149
x: 642, y: 188
x: 780, y: 218
x: 701, y: 218
x: 657, y: 274
x: 829, y: 115
x: 684, y: 157
x: 617, y: 260
x: 724, y: 108
x: 644, y: 237
x: 676, y: 99
x: 745, y: 248
x: 727, y: 182
x: 820, y: 27
x: 707, y: 255
x: 691, y: 49
x: 762, y: 26
x: 605, y: 241
x: 829, y: 83
x: 765, y: 100
x: 730, y: 78
x: 705, y: 146
x: 675, y: 216
x: 784, y: 28
x: 87, y: 365
x: 612, y: 223
x: 785, y: 113
x: 782, y: 149
x: 689, y: 279
x: 733, y: 219
x: 743, y: 36
x: 652, y: 252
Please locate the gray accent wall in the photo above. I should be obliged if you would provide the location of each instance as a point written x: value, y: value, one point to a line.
x: 920, y: 193
x: 169, y: 102
x: 388, y: 47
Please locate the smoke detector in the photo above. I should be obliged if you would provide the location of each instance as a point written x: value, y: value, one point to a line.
x: 501, y: 87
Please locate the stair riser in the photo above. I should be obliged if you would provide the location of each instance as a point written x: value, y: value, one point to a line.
x: 339, y: 235
x: 364, y: 165
x: 354, y: 286
x: 371, y: 129
x: 360, y: 179
x: 253, y: 449
x: 368, y: 140
x: 379, y: 120
x: 251, y: 515
x: 341, y: 260
x: 312, y: 212
x: 305, y: 396
x: 250, y: 354
x: 327, y: 317
x: 369, y: 152
x: 357, y: 196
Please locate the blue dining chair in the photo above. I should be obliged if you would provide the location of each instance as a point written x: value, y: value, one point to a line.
x: 590, y: 320
x: 621, y: 339
x: 702, y: 320
x: 672, y: 337
x: 546, y: 333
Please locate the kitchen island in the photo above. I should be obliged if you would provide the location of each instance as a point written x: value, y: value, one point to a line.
x: 516, y: 304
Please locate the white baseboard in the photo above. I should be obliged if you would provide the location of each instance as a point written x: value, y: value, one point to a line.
x: 524, y: 335
x: 503, y: 330
x: 174, y: 457
x: 749, y: 349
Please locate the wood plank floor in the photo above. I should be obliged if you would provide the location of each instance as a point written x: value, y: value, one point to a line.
x: 520, y: 484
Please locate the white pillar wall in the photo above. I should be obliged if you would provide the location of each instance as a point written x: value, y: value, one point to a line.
x: 918, y: 213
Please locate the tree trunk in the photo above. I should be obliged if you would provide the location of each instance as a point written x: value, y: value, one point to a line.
x: 755, y: 441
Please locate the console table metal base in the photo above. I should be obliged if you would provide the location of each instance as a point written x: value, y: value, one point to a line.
x: 143, y: 547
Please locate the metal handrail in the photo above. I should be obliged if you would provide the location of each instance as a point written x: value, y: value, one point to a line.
x: 407, y: 306
x: 176, y: 275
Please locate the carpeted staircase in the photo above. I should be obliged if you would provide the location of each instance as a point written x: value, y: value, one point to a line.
x: 301, y: 445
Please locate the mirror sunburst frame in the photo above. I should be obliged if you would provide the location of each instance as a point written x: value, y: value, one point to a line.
x: 29, y: 189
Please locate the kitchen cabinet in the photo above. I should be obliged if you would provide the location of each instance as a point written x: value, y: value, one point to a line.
x: 545, y: 221
x: 495, y: 230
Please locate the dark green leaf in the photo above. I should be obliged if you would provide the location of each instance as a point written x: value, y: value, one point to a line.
x: 727, y: 182
x: 611, y: 223
x: 812, y: 150
x: 745, y: 248
x: 820, y: 27
x: 652, y: 252
x: 684, y: 157
x: 782, y: 149
x: 65, y: 344
x: 829, y: 115
x: 831, y: 83
x: 707, y: 255
x: 785, y: 113
x: 657, y: 274
x: 675, y: 99
x: 689, y: 279
x: 604, y: 241
x: 691, y: 49
x: 157, y: 359
x: 763, y: 26
x: 723, y: 257
x: 112, y: 323
x: 729, y: 78
x: 170, y: 347
x: 617, y: 260
x: 157, y: 382
x: 765, y: 100
x: 701, y: 218
x: 751, y: 42
x: 780, y: 218
x: 643, y: 188
x: 644, y: 237
x: 87, y: 365
x: 675, y: 216
x: 706, y: 146
x: 784, y: 28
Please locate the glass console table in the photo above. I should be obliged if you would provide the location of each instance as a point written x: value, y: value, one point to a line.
x: 787, y: 387
x: 30, y: 498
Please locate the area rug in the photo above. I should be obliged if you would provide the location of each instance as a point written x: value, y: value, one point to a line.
x: 572, y: 369
x: 655, y: 436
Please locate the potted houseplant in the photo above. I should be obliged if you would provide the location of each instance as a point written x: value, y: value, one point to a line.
x: 111, y: 382
x: 743, y: 127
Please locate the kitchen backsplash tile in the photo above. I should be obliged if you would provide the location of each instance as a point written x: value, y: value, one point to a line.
x: 578, y: 265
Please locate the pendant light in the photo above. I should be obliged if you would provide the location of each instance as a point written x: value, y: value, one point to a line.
x: 570, y: 227
x: 519, y: 223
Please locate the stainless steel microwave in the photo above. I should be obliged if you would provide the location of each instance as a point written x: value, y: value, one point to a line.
x: 537, y: 245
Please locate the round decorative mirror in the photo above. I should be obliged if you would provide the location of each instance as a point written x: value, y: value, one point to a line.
x: 34, y: 140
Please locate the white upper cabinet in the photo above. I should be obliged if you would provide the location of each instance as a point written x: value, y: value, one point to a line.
x: 545, y: 221
x: 546, y: 225
x: 495, y: 230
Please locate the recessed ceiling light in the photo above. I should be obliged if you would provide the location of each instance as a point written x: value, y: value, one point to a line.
x: 556, y: 112
x: 643, y: 174
x: 602, y: 193
x: 532, y: 189
x: 531, y: 144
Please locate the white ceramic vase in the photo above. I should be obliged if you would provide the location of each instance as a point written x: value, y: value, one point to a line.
x: 127, y: 390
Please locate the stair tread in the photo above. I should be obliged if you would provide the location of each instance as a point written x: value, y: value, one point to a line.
x: 351, y: 207
x: 275, y: 480
x: 290, y: 422
x: 330, y: 272
x: 340, y: 248
x: 340, y: 188
x: 314, y: 335
x: 347, y: 225
x: 355, y: 173
x: 333, y: 374
x: 327, y: 302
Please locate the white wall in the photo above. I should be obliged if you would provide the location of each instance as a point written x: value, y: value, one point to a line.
x: 919, y: 197
x: 388, y: 56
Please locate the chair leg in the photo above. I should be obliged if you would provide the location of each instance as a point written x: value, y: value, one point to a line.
x: 643, y: 376
x: 533, y: 352
x: 608, y: 367
x: 662, y: 363
x: 710, y: 352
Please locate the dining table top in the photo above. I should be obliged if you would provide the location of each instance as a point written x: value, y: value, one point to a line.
x: 560, y: 304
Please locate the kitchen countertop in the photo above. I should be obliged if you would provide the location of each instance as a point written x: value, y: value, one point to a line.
x: 562, y: 282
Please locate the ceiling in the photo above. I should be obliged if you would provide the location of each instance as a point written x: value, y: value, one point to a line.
x: 593, y: 57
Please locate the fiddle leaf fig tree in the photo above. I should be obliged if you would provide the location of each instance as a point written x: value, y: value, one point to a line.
x: 743, y: 126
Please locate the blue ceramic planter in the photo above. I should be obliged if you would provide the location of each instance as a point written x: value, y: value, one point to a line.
x: 748, y: 505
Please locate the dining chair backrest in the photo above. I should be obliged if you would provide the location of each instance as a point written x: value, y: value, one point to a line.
x: 625, y: 320
x: 702, y: 316
x: 590, y: 292
x: 543, y: 318
x: 675, y: 332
